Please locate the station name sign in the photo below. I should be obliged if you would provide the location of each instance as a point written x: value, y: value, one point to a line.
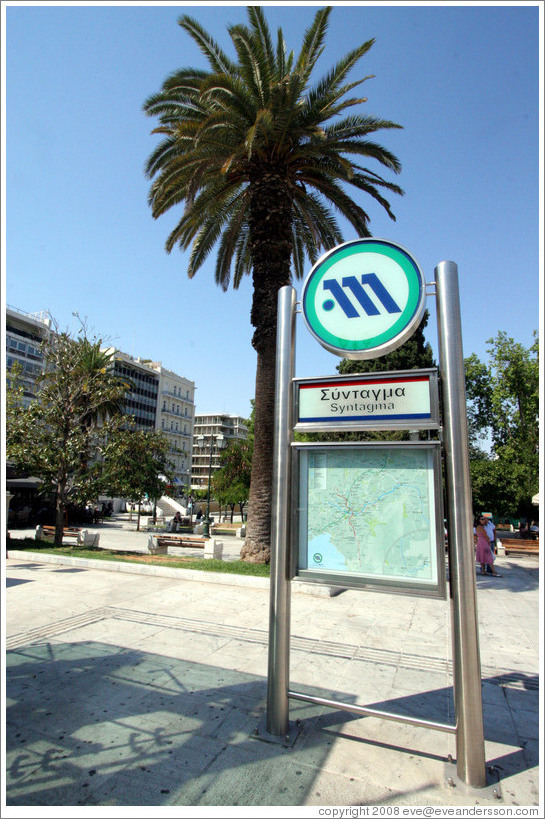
x: 403, y: 399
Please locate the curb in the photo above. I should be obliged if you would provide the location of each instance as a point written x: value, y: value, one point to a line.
x: 137, y: 568
x: 248, y: 581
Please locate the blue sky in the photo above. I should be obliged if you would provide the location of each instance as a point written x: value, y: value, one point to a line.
x: 463, y: 80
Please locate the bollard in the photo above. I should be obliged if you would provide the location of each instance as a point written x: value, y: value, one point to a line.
x: 213, y: 549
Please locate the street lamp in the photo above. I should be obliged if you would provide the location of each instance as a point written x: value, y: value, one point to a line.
x: 188, y: 495
x: 219, y: 444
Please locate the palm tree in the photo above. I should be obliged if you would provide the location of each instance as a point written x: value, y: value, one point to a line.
x: 94, y: 368
x: 259, y: 160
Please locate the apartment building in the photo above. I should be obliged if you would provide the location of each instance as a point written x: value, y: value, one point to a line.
x: 176, y: 418
x: 160, y: 399
x: 212, y: 433
x: 142, y: 396
x: 24, y: 335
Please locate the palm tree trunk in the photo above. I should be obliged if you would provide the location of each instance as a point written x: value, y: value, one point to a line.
x: 257, y: 547
x: 271, y: 241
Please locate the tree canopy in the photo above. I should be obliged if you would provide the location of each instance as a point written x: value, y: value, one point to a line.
x: 136, y: 464
x: 503, y: 411
x: 231, y: 483
x: 415, y: 353
x: 60, y: 435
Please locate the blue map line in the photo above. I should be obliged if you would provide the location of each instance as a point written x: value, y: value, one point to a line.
x: 377, y: 500
x: 425, y: 563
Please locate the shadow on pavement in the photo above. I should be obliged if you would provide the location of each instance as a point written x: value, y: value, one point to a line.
x: 94, y: 724
x: 91, y: 724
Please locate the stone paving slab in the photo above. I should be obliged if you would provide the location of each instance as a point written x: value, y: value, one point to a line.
x: 145, y: 690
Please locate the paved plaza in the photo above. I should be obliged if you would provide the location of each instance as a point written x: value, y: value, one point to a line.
x: 145, y: 688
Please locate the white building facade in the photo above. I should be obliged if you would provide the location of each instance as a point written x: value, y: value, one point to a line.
x: 25, y: 333
x: 212, y: 427
x: 161, y: 400
x: 176, y: 419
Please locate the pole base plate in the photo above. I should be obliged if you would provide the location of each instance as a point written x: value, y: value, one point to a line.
x: 286, y: 740
x: 490, y: 792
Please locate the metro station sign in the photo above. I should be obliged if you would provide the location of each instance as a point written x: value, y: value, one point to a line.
x: 402, y: 399
x: 364, y: 298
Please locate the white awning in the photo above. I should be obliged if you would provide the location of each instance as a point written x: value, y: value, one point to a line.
x: 535, y: 500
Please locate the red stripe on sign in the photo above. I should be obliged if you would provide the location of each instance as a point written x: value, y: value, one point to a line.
x: 316, y: 384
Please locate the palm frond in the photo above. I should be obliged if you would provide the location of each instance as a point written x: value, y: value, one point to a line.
x: 217, y: 58
x: 243, y: 256
x: 233, y: 242
x: 315, y: 221
x: 262, y: 40
x: 313, y: 43
x: 253, y: 69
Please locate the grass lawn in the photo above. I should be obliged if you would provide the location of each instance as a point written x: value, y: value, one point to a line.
x: 227, y: 566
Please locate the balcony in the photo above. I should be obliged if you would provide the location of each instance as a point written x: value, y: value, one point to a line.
x: 178, y: 397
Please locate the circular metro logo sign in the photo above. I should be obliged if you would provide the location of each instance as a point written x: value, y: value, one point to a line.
x: 364, y: 298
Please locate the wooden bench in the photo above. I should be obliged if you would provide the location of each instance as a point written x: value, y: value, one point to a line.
x: 82, y: 536
x: 158, y: 544
x: 181, y: 540
x: 69, y: 531
x: 239, y: 530
x: 516, y: 545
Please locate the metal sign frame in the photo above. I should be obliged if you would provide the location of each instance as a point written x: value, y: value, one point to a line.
x: 435, y: 588
x: 429, y: 419
x: 468, y: 728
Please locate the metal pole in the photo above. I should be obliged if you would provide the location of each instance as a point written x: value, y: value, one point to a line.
x: 471, y: 766
x: 277, y: 721
x: 206, y: 526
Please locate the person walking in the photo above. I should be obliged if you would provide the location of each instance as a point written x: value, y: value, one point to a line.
x: 490, y: 527
x: 483, y: 551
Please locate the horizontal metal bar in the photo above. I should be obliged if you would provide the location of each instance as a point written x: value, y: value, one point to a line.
x: 372, y: 712
x: 365, y: 426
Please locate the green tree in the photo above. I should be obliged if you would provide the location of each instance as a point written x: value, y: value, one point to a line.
x: 231, y: 483
x: 415, y: 354
x: 200, y: 496
x: 136, y: 465
x: 479, y: 404
x: 60, y: 436
x: 261, y: 160
x: 503, y: 409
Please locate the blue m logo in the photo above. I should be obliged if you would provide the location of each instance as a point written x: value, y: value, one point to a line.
x: 352, y: 284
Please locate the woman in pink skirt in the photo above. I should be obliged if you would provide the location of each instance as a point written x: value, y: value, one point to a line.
x: 484, y: 552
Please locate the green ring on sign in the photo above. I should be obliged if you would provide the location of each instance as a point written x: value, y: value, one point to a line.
x: 411, y: 310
